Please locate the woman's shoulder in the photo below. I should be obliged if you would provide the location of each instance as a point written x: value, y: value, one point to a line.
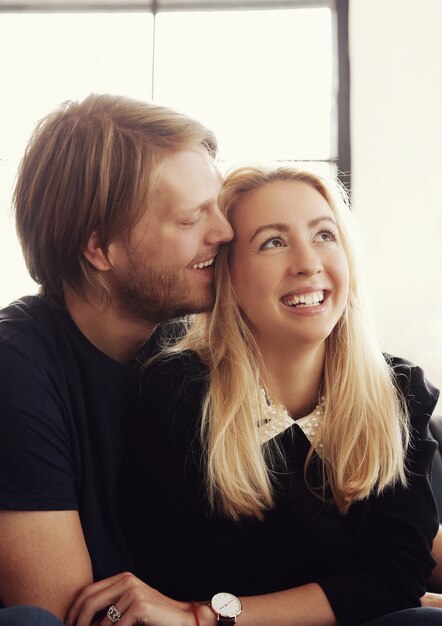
x: 421, y: 395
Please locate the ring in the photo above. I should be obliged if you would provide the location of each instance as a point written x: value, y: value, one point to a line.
x: 113, y: 614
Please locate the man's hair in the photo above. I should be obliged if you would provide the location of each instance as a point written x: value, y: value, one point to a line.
x: 364, y: 433
x: 92, y: 166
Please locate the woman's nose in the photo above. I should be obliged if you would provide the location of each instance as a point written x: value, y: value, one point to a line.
x: 305, y: 261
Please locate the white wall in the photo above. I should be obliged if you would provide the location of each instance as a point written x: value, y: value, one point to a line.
x: 396, y: 109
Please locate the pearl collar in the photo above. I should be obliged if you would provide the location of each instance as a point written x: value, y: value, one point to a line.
x: 276, y: 419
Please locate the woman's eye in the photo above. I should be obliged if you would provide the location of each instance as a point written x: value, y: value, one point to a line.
x: 272, y: 242
x: 325, y: 235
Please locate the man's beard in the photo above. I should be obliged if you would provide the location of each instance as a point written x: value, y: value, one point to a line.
x: 158, y: 295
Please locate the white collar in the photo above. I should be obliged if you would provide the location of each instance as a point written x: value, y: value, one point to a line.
x: 276, y: 420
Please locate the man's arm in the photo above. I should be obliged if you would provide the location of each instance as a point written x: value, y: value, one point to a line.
x: 43, y: 559
x: 43, y: 555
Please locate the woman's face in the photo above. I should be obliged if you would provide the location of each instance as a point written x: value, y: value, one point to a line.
x: 287, y: 264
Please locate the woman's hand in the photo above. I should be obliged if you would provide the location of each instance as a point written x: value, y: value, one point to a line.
x: 137, y: 602
x: 432, y: 599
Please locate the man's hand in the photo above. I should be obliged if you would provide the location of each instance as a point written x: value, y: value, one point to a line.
x: 43, y: 559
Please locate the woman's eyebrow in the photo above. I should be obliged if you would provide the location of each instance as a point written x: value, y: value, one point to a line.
x: 277, y: 226
x: 285, y: 227
x: 323, y: 218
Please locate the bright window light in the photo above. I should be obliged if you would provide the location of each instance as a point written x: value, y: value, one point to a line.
x: 53, y: 58
x: 263, y: 81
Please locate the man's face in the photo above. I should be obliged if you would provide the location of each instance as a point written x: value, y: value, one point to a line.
x: 166, y: 270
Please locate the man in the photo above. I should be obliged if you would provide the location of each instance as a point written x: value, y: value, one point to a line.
x: 116, y: 210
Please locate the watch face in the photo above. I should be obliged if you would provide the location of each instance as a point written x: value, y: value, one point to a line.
x: 226, y: 604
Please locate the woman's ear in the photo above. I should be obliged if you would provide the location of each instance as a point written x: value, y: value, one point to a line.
x: 94, y: 253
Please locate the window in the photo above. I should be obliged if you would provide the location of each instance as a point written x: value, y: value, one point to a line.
x: 268, y: 93
x: 264, y: 77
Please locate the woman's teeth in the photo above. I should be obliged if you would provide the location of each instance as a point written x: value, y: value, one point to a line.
x: 304, y: 299
x: 200, y: 266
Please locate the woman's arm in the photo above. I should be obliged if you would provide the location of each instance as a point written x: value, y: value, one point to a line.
x: 435, y: 581
x: 434, y: 597
x: 137, y: 602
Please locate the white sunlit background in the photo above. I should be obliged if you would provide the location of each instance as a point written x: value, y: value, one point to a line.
x: 243, y: 73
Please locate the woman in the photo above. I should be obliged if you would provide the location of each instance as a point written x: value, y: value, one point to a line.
x: 280, y: 456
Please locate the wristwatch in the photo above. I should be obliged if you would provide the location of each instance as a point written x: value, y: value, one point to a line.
x: 226, y: 607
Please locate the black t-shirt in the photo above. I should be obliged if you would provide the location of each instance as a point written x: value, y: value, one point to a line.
x: 370, y: 562
x: 63, y: 405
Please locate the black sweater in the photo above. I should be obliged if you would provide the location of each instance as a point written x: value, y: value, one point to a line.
x: 372, y: 561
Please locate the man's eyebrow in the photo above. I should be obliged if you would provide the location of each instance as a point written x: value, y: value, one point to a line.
x: 183, y: 212
x: 204, y: 204
x: 283, y: 227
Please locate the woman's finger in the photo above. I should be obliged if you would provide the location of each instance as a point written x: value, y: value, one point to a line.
x: 100, y: 596
x: 117, y: 595
x: 123, y: 606
x: 113, y: 616
x: 148, y: 607
x: 127, y: 618
x: 88, y: 591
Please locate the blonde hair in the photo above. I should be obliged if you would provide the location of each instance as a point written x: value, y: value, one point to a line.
x: 364, y: 434
x: 92, y: 166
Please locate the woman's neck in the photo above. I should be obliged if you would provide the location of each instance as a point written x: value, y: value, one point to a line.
x: 295, y: 379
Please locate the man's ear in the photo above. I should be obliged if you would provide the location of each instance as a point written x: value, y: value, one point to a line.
x: 95, y: 255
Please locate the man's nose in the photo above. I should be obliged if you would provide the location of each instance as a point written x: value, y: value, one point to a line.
x: 220, y: 229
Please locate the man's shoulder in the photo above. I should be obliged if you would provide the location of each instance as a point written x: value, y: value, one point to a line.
x: 32, y: 328
x: 24, y: 315
x: 178, y: 376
